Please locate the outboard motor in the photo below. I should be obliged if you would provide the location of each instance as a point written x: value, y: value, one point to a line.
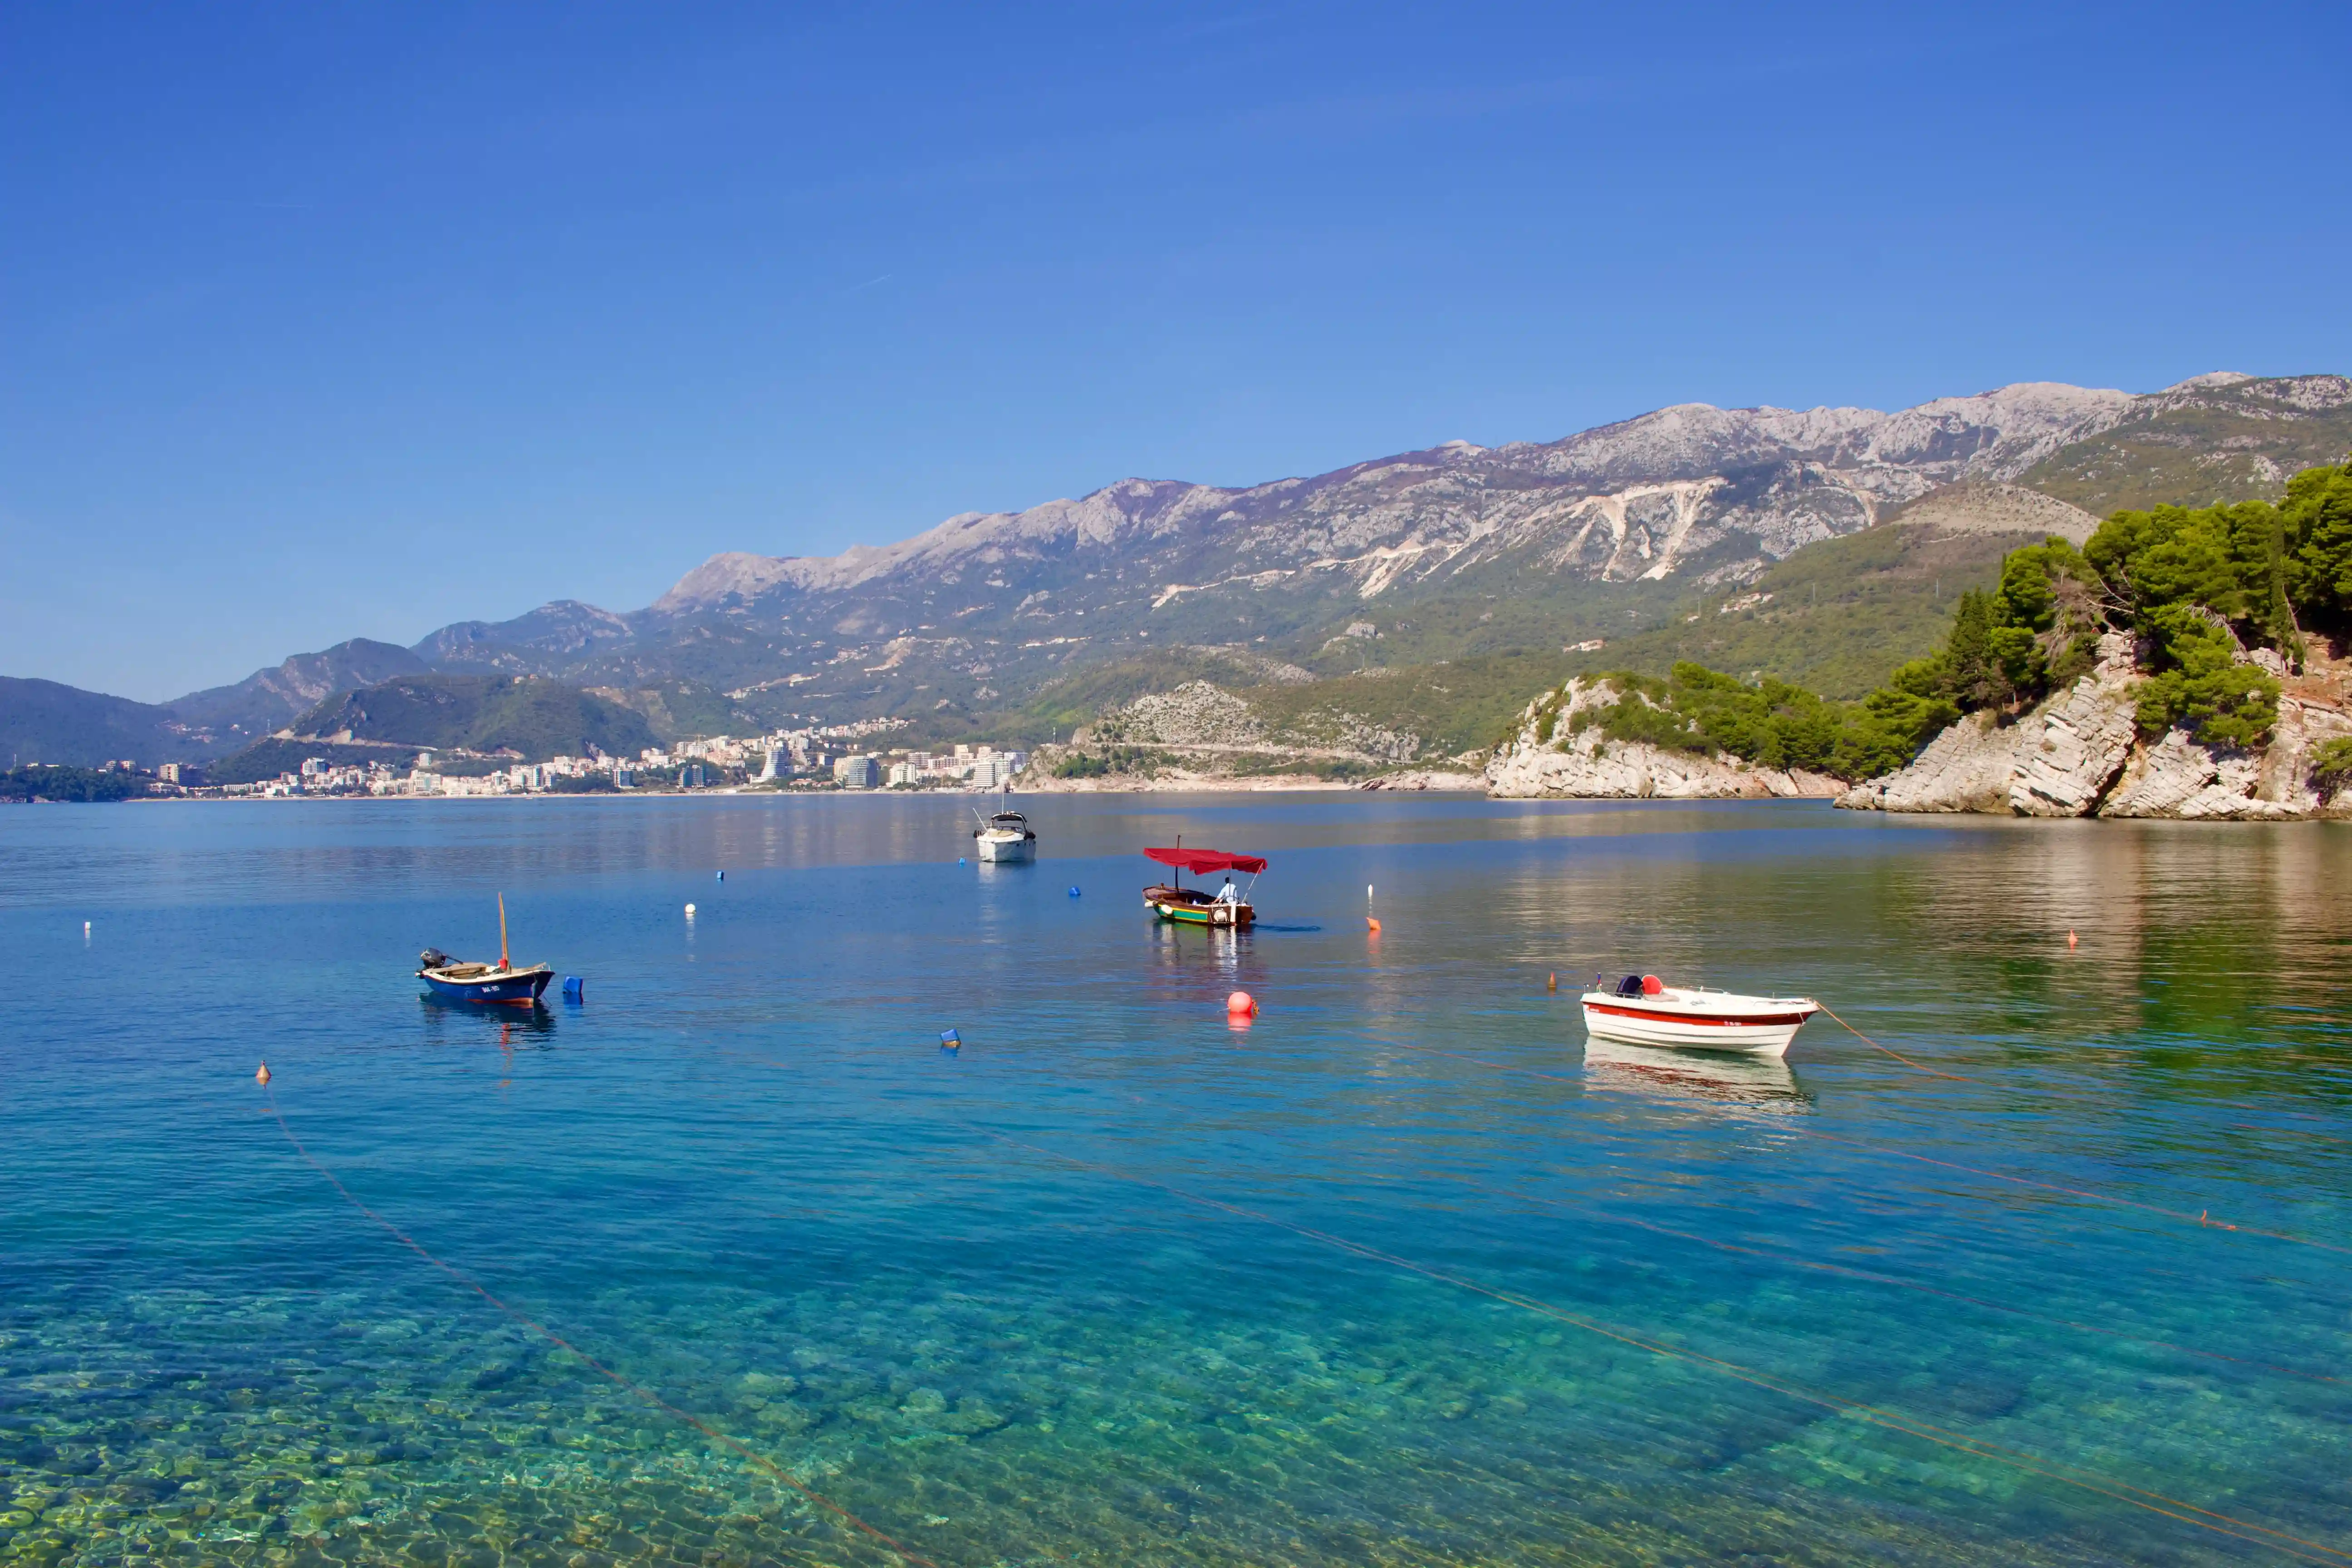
x: 432, y: 958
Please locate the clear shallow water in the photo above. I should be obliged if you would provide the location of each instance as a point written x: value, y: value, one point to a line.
x: 1400, y: 1274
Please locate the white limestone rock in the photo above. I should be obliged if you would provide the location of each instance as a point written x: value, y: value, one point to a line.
x: 1967, y: 768
x: 2071, y: 747
x: 1585, y: 765
x: 2058, y: 760
x: 2179, y: 779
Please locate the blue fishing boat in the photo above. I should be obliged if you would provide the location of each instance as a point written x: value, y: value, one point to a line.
x: 499, y: 982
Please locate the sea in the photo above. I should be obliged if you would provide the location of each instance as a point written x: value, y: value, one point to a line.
x: 2036, y: 1250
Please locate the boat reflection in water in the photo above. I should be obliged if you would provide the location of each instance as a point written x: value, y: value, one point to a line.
x: 1747, y: 1082
x: 465, y: 1023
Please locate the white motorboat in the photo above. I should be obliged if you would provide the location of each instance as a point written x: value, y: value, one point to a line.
x: 1005, y: 838
x: 1642, y: 1011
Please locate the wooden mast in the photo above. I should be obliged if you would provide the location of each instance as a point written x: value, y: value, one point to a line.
x: 502, y: 933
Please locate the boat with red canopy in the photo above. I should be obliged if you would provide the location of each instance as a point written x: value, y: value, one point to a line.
x: 1227, y: 908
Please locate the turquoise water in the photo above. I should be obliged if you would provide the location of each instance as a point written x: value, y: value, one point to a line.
x: 1398, y: 1274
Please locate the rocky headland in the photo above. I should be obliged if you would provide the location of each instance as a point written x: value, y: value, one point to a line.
x: 2081, y: 752
x: 1559, y: 752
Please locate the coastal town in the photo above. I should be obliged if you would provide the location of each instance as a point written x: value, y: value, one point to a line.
x: 819, y: 758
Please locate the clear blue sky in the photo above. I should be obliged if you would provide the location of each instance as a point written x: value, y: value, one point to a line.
x: 330, y: 320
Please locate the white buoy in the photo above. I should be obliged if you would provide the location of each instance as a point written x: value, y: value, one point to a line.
x: 1368, y: 889
x: 689, y: 911
x: 85, y: 927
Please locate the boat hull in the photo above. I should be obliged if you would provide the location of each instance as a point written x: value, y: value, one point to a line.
x: 1006, y: 851
x: 512, y: 988
x: 1764, y: 1029
x: 1219, y: 917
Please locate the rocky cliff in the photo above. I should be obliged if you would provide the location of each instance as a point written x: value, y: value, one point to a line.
x: 1552, y: 756
x: 2079, y: 754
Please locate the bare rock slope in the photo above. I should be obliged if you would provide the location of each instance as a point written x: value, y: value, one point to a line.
x: 2079, y: 754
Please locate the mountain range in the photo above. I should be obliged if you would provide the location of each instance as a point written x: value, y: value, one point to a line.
x: 1455, y: 555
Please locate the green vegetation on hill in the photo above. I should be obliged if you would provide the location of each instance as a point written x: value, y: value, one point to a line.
x: 686, y: 710
x: 81, y: 784
x: 1769, y: 724
x: 1837, y: 616
x: 47, y: 722
x: 532, y: 718
x: 2211, y: 443
x: 1453, y: 706
x: 2192, y: 587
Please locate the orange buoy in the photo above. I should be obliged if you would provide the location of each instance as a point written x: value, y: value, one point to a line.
x: 2070, y: 937
x: 1551, y: 981
x: 1241, y: 1004
x: 261, y: 1074
x: 1372, y: 925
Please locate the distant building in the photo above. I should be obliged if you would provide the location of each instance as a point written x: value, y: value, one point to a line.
x: 625, y: 778
x: 858, y: 773
x: 905, y: 774
x: 692, y: 776
x: 169, y: 772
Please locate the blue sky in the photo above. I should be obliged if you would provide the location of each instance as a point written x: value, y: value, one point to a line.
x: 324, y: 321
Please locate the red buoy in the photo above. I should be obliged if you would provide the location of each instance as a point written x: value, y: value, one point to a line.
x: 1241, y: 1004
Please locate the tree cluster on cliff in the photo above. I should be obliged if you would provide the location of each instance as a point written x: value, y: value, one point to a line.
x: 2194, y: 588
x: 1769, y: 724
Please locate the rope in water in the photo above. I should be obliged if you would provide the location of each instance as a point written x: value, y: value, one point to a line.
x: 1870, y: 1275
x: 903, y: 1552
x: 1781, y: 1257
x: 1898, y: 1056
x: 2202, y: 1218
x: 1911, y: 1425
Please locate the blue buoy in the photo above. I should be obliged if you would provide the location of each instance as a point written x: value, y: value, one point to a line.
x: 1074, y: 889
x: 950, y: 1040
x: 574, y: 988
x: 959, y: 859
x: 722, y: 876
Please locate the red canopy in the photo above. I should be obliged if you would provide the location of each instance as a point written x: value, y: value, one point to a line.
x: 1204, y: 861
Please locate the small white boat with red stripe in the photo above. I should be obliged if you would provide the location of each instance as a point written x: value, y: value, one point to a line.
x: 1643, y: 1010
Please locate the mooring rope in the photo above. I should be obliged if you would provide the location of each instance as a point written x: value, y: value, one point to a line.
x: 1872, y: 1275
x: 1898, y: 1056
x: 905, y: 1554
x: 1910, y: 1426
x: 2202, y: 1218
